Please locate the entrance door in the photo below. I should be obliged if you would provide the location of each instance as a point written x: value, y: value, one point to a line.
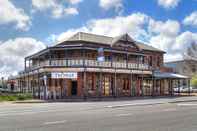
x: 106, y: 86
x: 74, y: 88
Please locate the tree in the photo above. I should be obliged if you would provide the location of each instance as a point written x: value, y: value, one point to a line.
x: 190, y: 59
x: 191, y: 52
x: 194, y: 81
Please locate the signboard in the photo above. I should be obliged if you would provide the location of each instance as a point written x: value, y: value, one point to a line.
x: 100, y: 57
x: 61, y: 75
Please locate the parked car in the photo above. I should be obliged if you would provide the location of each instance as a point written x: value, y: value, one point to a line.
x: 3, y: 90
x: 183, y: 89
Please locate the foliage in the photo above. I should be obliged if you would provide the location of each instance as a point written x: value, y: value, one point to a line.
x: 15, y: 97
x: 194, y: 81
x: 191, y: 52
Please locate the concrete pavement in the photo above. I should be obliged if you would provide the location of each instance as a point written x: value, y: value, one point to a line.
x: 99, y: 116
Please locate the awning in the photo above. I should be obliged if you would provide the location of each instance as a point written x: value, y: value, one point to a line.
x: 169, y: 75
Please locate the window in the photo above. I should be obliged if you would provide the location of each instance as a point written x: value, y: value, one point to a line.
x: 90, y: 83
x: 158, y: 61
x: 150, y: 60
x: 125, y: 84
x: 108, y: 58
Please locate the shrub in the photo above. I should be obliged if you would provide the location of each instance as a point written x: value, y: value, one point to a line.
x: 14, y: 97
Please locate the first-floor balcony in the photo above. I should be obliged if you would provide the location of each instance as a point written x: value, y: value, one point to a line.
x: 89, y: 64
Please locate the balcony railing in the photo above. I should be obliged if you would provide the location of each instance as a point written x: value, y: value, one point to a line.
x: 89, y: 63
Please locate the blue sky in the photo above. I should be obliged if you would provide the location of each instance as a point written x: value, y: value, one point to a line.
x: 170, y: 25
x: 43, y: 25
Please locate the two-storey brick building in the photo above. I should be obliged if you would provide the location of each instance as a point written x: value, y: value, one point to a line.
x: 88, y: 65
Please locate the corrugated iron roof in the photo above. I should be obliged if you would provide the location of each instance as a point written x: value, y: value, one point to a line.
x: 169, y: 75
x: 81, y: 36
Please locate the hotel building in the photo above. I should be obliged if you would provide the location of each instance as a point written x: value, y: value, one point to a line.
x: 89, y: 65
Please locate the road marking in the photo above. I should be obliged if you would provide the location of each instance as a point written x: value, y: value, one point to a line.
x: 170, y: 109
x: 187, y: 104
x: 133, y: 104
x: 55, y: 122
x: 122, y: 115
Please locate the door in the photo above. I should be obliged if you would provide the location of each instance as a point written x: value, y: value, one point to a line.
x: 106, y: 86
x: 74, y: 88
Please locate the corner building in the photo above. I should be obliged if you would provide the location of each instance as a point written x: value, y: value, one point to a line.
x: 88, y: 65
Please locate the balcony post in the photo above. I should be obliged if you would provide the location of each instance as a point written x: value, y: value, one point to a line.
x: 84, y: 85
x: 153, y: 84
x: 25, y: 64
x: 49, y: 58
x: 127, y: 61
x: 142, y: 90
x: 131, y: 84
x: 115, y: 89
x: 111, y: 60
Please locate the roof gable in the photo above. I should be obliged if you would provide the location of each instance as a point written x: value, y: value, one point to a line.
x: 124, y: 41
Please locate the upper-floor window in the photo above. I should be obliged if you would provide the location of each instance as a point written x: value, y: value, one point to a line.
x: 150, y: 60
x: 108, y: 58
x: 158, y: 61
x: 141, y: 59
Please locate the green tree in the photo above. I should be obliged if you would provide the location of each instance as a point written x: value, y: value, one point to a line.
x: 194, y: 81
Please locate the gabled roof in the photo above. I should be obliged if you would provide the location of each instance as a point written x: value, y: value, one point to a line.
x: 124, y: 37
x: 81, y: 36
x: 87, y: 37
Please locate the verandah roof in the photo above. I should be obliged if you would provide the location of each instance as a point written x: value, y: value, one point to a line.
x: 169, y: 75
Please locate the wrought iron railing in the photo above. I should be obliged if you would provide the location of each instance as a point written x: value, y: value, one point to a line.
x: 88, y: 63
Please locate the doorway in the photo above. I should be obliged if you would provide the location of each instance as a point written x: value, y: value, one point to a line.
x: 106, y: 86
x: 74, y: 88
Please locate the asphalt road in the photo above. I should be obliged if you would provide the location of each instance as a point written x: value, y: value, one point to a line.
x: 99, y: 116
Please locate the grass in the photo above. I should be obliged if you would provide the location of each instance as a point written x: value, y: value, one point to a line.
x: 15, y: 97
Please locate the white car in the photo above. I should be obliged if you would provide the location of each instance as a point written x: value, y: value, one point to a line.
x: 182, y: 89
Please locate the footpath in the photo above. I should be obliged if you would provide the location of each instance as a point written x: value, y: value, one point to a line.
x: 137, y: 101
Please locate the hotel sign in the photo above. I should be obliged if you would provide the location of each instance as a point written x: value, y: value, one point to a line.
x: 61, y: 75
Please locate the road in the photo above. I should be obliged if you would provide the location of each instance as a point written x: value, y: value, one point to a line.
x: 99, y: 116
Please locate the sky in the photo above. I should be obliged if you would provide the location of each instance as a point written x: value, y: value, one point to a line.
x: 27, y: 26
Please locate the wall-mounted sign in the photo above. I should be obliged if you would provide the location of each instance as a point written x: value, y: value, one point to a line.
x: 61, y: 75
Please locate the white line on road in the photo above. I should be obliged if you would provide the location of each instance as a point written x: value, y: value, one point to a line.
x: 55, y: 122
x: 170, y: 109
x: 133, y: 104
x: 187, y: 104
x: 122, y: 115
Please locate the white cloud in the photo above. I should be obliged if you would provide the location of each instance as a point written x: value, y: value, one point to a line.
x: 173, y: 57
x: 108, y: 4
x: 12, y: 54
x: 57, y: 9
x: 168, y: 28
x: 179, y: 45
x: 164, y: 35
x: 168, y: 4
x: 74, y: 1
x: 71, y: 11
x: 10, y: 14
x: 191, y: 19
x: 132, y: 24
x: 43, y: 4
